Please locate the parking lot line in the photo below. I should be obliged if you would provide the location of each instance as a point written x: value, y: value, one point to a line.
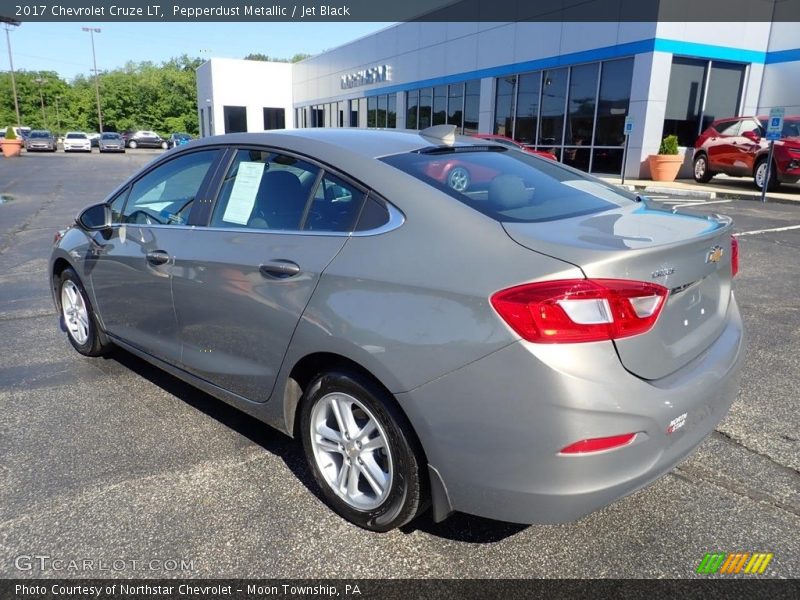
x: 757, y: 231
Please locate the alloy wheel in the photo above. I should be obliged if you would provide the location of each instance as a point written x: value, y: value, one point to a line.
x: 73, y: 309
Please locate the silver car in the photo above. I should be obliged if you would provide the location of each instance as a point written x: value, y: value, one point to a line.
x: 111, y: 142
x: 529, y: 349
x: 40, y: 139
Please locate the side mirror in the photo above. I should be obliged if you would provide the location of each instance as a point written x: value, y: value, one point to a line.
x: 752, y: 136
x: 95, y: 218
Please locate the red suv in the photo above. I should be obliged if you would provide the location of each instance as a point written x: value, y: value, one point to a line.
x: 736, y: 146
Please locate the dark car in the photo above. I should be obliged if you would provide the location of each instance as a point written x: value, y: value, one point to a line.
x: 736, y: 146
x: 40, y: 139
x: 178, y: 139
x: 529, y: 352
x: 145, y: 139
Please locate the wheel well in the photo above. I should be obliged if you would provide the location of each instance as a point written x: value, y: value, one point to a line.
x: 58, y: 267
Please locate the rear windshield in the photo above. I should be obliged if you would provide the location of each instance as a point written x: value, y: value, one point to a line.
x: 509, y: 185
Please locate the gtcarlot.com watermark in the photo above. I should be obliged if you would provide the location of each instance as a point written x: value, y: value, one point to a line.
x: 46, y: 563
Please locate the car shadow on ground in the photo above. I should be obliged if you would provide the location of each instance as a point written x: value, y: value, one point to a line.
x: 458, y: 527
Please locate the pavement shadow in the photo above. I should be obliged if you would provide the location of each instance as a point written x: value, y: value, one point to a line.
x: 458, y: 527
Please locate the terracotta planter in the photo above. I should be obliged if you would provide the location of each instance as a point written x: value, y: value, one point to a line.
x: 664, y: 167
x: 12, y: 148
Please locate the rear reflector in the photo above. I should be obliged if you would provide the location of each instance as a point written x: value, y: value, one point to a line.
x: 580, y: 310
x: 599, y: 444
x: 734, y: 256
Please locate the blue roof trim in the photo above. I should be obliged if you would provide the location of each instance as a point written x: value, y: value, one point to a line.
x: 782, y: 56
x: 693, y: 49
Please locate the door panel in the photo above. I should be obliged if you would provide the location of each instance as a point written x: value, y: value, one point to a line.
x: 720, y: 147
x: 236, y: 311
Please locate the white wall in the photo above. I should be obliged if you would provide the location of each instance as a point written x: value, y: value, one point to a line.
x: 254, y: 84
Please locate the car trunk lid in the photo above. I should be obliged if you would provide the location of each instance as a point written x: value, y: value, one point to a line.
x: 689, y: 255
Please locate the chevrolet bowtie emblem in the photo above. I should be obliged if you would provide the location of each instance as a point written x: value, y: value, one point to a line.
x: 715, y: 254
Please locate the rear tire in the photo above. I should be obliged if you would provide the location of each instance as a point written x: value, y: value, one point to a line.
x: 702, y: 174
x: 78, y: 316
x: 362, y: 451
x: 760, y: 173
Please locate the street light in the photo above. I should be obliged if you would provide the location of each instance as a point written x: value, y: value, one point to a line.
x: 40, y: 81
x: 92, y: 31
x: 58, y: 115
x: 9, y: 23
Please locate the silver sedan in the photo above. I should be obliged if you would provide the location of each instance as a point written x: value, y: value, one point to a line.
x: 530, y: 347
x: 111, y: 142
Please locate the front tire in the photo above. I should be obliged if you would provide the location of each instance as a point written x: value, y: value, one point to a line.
x: 362, y: 451
x: 132, y: 144
x: 78, y: 316
x: 702, y: 174
x: 164, y: 145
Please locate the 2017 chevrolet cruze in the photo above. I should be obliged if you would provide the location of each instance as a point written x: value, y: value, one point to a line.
x: 529, y: 349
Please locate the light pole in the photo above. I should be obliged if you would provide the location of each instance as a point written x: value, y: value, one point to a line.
x: 92, y: 31
x: 9, y: 23
x: 40, y: 81
x: 58, y: 115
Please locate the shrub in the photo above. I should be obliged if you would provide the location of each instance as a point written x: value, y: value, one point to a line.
x: 669, y: 145
x: 10, y: 135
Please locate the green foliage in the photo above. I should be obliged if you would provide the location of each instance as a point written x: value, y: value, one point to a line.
x: 10, y: 135
x: 137, y: 96
x: 669, y: 145
x: 258, y: 56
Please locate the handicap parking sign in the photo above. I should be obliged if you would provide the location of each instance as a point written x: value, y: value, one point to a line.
x: 775, y: 125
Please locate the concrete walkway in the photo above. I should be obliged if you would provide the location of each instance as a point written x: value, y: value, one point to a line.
x: 720, y: 187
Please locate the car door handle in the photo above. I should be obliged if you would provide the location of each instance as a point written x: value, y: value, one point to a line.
x: 279, y: 269
x: 157, y: 257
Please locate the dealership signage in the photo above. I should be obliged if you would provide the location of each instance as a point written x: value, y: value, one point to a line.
x: 377, y: 74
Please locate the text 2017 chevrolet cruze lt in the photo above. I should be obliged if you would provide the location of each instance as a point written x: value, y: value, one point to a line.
x: 529, y: 349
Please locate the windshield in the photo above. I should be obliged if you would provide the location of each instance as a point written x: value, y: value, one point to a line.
x: 40, y: 134
x: 79, y: 136
x: 110, y: 136
x: 511, y: 186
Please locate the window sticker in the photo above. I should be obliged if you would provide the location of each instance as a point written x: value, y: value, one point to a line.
x: 243, y: 194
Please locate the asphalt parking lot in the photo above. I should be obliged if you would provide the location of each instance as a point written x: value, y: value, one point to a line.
x: 111, y: 459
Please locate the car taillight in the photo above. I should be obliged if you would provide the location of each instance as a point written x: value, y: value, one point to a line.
x: 599, y: 444
x: 734, y: 256
x: 580, y: 310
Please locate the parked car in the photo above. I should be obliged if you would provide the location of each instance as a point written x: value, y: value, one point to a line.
x: 77, y: 141
x: 736, y: 146
x: 507, y: 141
x: 529, y: 353
x: 145, y: 139
x: 111, y: 142
x: 178, y: 139
x: 40, y: 139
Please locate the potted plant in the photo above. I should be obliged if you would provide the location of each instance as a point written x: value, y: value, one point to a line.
x: 665, y: 165
x: 12, y: 145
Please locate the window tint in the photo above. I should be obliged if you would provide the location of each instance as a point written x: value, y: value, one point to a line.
x: 374, y: 215
x: 164, y: 195
x: 264, y: 190
x: 335, y: 206
x: 727, y: 128
x: 513, y: 186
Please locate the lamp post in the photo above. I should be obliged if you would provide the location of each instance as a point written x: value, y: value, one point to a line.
x: 9, y: 23
x: 58, y: 115
x: 92, y: 31
x: 40, y: 81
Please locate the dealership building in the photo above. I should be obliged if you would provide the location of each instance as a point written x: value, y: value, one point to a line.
x: 564, y: 87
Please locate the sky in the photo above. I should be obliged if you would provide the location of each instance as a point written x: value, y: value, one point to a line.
x: 66, y: 49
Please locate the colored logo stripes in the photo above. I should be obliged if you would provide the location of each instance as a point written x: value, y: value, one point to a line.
x: 737, y: 562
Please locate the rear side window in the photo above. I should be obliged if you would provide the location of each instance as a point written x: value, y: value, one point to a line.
x: 335, y: 206
x: 511, y: 186
x: 727, y: 128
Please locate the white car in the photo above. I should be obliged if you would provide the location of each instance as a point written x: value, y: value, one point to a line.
x: 77, y: 141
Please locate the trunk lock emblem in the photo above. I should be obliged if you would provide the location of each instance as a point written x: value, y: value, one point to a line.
x: 715, y: 254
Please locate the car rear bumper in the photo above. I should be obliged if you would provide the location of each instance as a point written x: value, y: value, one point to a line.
x: 493, y: 429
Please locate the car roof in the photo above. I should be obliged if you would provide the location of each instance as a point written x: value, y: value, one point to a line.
x: 369, y: 143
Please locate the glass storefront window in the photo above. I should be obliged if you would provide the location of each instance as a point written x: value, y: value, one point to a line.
x: 455, y: 105
x: 554, y: 96
x: 527, y: 107
x: 412, y: 105
x: 425, y: 107
x: 382, y: 106
x: 612, y: 107
x: 440, y: 105
x: 353, y: 113
x: 724, y: 90
x: 391, y: 111
x: 504, y: 106
x: 582, y: 94
x: 372, y: 111
x: 472, y: 103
